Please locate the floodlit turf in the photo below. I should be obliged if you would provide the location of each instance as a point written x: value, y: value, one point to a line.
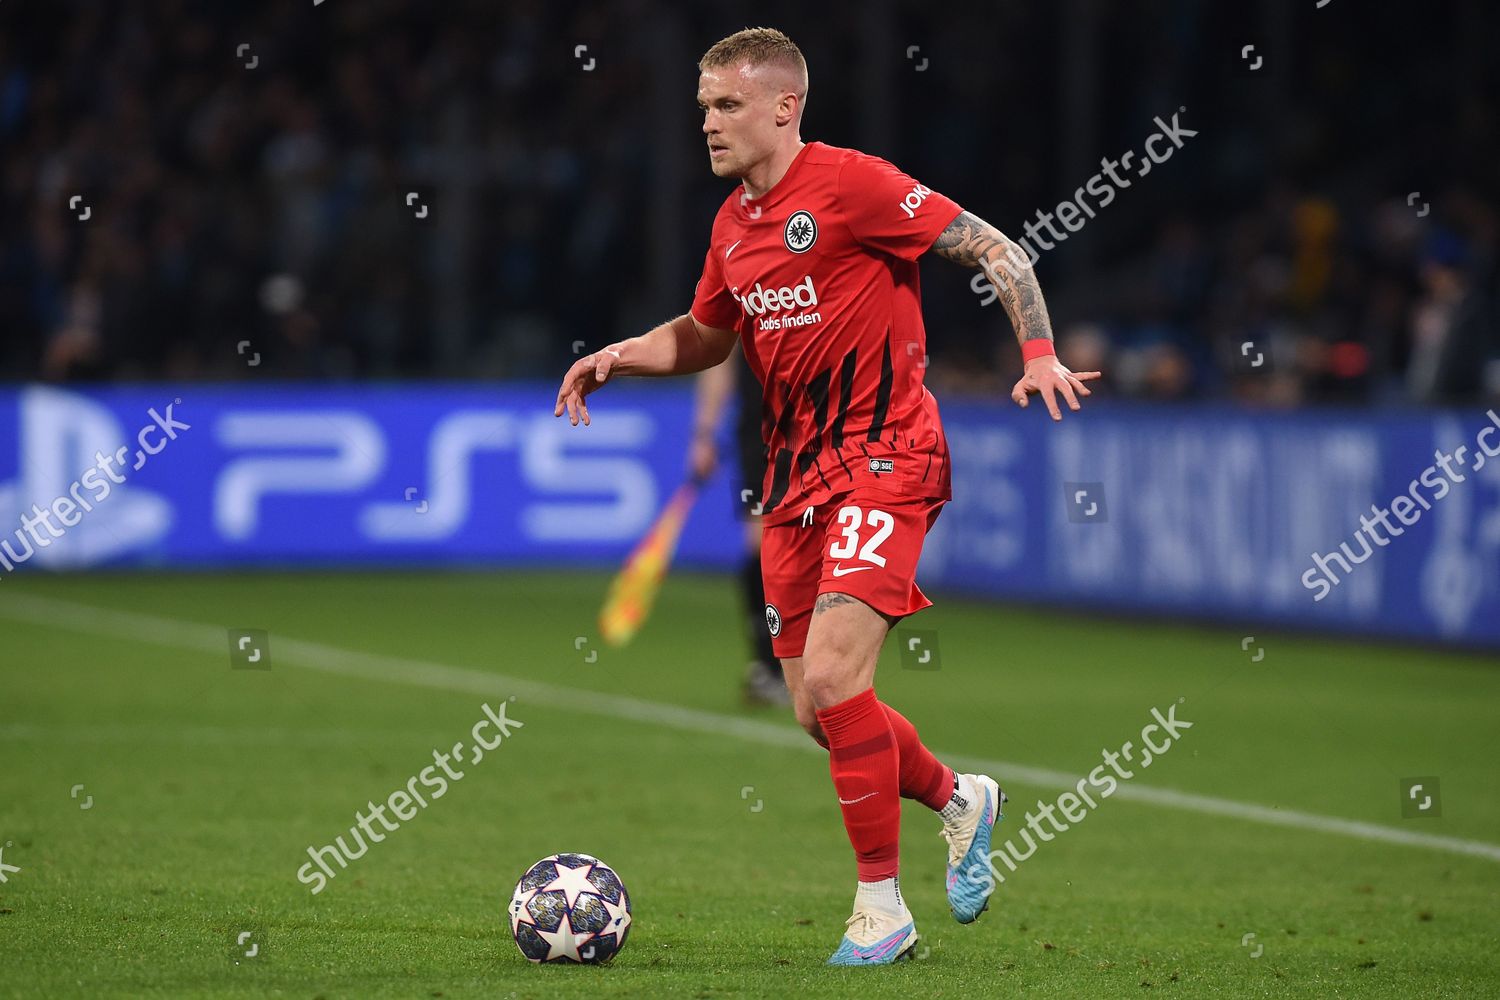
x: 208, y: 784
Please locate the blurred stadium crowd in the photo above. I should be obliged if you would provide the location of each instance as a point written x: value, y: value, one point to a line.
x: 392, y: 188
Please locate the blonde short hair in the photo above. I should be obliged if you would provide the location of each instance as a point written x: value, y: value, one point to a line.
x: 758, y: 47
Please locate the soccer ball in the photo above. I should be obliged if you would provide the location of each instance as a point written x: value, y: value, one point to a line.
x: 570, y: 908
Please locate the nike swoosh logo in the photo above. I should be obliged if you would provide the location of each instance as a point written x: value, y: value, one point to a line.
x: 850, y: 802
x: 731, y: 248
x: 839, y: 570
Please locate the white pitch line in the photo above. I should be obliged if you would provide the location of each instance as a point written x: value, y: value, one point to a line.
x: 177, y: 634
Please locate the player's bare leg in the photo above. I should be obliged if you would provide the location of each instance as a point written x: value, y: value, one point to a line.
x: 802, y: 704
x: 843, y: 647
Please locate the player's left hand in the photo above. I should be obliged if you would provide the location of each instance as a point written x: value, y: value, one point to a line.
x: 703, y: 455
x: 1048, y: 376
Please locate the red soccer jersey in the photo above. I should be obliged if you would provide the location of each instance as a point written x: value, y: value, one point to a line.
x: 820, y: 278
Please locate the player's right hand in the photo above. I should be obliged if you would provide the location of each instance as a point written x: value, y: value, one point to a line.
x: 587, y: 374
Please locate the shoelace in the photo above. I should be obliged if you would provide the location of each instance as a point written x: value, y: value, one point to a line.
x: 951, y: 836
x: 863, y: 927
x: 867, y: 926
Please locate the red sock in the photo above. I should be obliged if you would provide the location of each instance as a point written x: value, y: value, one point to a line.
x: 866, y: 767
x: 923, y: 776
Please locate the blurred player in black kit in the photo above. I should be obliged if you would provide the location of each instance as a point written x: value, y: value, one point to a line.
x: 764, y: 683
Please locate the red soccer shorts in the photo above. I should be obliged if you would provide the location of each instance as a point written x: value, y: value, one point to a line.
x: 864, y: 543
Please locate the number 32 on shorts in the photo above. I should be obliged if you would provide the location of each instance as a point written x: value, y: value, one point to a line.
x: 850, y: 519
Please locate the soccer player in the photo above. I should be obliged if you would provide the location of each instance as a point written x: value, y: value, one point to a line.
x: 812, y: 267
x: 764, y: 683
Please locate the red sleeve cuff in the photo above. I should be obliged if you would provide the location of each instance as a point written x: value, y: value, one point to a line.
x: 1033, y: 349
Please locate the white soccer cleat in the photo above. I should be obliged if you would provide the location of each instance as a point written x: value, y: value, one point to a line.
x: 968, y: 839
x: 875, y: 937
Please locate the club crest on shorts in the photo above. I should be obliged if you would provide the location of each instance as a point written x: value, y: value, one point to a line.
x: 801, y: 232
x: 882, y: 465
x: 773, y: 620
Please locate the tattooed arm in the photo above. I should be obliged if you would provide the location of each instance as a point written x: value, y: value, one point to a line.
x: 972, y: 242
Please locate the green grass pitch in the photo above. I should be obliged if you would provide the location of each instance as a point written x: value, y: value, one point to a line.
x: 205, y: 786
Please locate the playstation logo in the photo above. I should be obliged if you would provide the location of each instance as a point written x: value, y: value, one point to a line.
x: 60, y: 437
